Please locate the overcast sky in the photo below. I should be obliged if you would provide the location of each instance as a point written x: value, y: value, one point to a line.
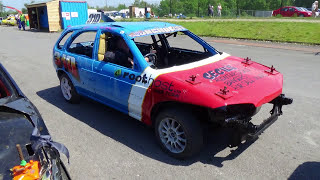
x: 19, y: 3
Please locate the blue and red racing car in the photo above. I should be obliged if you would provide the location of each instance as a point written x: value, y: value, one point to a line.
x: 169, y: 78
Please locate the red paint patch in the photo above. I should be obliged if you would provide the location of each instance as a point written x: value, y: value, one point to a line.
x: 248, y: 85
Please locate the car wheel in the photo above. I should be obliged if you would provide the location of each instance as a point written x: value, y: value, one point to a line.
x: 301, y: 15
x: 179, y: 133
x: 68, y: 91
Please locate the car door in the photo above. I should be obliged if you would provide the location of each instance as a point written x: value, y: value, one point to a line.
x: 113, y: 82
x: 284, y: 12
x: 291, y: 12
x: 79, y: 57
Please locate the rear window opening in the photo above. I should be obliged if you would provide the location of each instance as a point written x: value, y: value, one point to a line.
x: 64, y: 40
x: 173, y: 49
x: 83, y: 44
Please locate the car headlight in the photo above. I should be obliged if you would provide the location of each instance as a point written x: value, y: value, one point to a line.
x: 243, y: 111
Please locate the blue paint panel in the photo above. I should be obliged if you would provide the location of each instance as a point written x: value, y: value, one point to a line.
x: 43, y: 16
x: 110, y: 88
x: 80, y: 7
x: 126, y: 27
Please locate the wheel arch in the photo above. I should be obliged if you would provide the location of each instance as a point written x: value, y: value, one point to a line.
x: 202, y: 113
x: 60, y: 72
x: 75, y: 94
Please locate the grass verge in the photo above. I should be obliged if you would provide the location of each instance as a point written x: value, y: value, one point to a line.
x: 301, y: 32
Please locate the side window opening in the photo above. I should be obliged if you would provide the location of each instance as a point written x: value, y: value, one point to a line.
x: 64, y: 40
x: 114, y: 49
x: 83, y: 44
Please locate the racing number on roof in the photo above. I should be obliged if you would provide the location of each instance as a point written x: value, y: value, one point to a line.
x: 94, y: 18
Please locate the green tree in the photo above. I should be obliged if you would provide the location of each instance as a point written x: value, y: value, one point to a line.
x: 24, y: 11
x: 140, y: 4
x: 1, y: 10
x: 121, y: 6
x: 164, y: 8
x: 303, y: 3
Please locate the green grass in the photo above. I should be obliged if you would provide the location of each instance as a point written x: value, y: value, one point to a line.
x: 301, y: 32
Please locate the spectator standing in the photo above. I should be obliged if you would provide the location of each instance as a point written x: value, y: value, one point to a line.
x: 315, y: 7
x: 23, y: 21
x: 17, y: 17
x: 219, y: 8
x: 148, y: 15
x: 212, y: 11
x: 209, y: 10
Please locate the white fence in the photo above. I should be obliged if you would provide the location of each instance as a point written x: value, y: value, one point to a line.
x: 255, y: 13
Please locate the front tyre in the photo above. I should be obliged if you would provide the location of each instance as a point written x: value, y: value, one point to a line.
x: 179, y: 133
x: 68, y: 91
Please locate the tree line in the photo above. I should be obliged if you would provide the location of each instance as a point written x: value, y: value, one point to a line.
x: 229, y: 7
x: 193, y: 8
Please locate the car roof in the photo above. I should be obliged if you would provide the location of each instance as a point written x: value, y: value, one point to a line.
x: 133, y: 29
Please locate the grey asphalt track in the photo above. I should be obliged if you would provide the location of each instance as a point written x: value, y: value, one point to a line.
x: 106, y: 144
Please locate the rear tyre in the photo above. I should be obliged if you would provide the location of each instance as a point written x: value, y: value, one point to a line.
x: 68, y: 91
x: 179, y: 133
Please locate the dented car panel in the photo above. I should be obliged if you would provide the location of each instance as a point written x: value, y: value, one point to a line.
x: 230, y: 89
x: 136, y: 91
x: 19, y: 119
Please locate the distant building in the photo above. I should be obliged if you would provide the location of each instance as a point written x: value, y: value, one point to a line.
x: 54, y: 15
x: 137, y: 12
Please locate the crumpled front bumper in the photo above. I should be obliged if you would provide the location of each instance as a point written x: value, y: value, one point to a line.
x: 246, y: 130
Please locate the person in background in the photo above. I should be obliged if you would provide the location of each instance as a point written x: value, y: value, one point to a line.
x: 23, y: 21
x: 148, y: 15
x: 219, y: 8
x: 17, y: 17
x: 315, y: 7
x: 212, y: 12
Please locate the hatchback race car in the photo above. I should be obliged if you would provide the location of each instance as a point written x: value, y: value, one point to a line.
x: 26, y: 148
x: 9, y: 21
x: 167, y: 77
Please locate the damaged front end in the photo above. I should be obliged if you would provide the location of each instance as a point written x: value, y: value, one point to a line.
x: 239, y: 118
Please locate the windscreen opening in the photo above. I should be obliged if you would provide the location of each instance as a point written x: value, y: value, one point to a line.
x: 172, y: 49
